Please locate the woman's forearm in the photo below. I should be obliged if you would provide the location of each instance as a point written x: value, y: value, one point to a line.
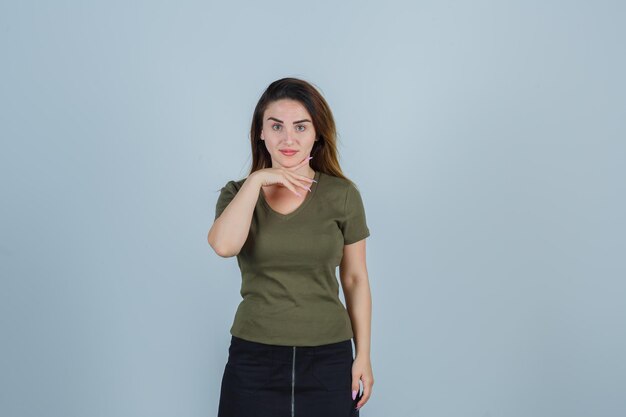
x: 230, y: 230
x: 359, y: 305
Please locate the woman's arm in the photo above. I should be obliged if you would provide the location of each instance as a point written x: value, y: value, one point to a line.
x: 230, y: 230
x: 356, y: 289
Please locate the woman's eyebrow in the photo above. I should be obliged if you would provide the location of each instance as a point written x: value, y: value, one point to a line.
x: 297, y: 121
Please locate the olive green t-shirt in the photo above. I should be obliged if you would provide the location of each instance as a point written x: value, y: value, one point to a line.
x: 289, y: 287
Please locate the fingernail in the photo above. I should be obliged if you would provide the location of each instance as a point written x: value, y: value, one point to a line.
x: 308, y: 189
x: 353, y: 394
x: 310, y: 157
x: 314, y: 180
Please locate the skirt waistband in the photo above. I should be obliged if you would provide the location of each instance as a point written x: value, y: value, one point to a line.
x: 280, y: 351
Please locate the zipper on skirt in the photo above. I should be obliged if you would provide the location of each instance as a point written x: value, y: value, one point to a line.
x: 293, y: 381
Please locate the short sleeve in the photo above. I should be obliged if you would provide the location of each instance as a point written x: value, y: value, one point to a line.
x: 354, y: 224
x: 227, y: 193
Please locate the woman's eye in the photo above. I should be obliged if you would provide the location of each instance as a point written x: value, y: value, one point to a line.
x: 278, y: 126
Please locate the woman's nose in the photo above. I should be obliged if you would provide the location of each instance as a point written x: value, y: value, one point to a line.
x: 289, y: 137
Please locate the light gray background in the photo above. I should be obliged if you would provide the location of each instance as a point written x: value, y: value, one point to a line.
x: 487, y: 139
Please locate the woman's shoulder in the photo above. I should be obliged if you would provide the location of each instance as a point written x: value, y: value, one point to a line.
x: 235, y: 184
x: 337, y: 183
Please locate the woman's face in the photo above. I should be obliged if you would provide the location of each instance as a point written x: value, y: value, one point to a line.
x: 287, y: 125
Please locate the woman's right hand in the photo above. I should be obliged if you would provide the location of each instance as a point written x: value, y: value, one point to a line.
x: 286, y: 177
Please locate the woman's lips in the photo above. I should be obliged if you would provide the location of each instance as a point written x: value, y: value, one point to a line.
x: 289, y: 153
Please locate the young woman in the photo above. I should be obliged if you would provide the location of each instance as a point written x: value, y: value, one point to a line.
x: 290, y: 223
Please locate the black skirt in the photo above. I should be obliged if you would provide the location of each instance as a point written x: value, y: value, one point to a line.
x: 262, y: 380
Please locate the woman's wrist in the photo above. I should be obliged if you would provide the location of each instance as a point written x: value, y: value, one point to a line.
x: 253, y: 179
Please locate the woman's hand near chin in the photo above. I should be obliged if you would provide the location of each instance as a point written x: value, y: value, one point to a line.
x: 285, y: 177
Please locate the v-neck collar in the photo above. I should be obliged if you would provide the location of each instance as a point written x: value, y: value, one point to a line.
x: 307, y: 199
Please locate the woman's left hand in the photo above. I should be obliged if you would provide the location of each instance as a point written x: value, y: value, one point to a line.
x: 362, y: 370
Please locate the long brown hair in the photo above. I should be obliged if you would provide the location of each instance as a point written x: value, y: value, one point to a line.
x: 324, y: 150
